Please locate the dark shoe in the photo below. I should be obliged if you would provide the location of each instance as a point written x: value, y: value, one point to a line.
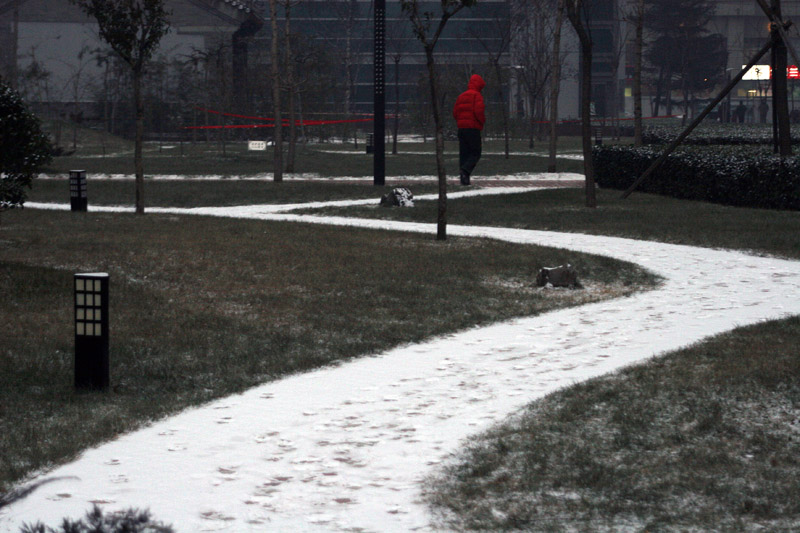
x: 464, y: 178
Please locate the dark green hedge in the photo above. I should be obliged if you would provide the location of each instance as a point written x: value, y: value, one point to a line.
x: 743, y: 178
x: 713, y: 133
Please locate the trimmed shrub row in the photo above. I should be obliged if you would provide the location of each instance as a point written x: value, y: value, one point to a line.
x: 742, y: 178
x: 716, y: 134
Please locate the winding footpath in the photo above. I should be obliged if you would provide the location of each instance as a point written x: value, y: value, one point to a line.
x: 345, y: 448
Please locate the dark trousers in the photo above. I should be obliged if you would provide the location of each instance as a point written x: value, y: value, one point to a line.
x: 469, y: 151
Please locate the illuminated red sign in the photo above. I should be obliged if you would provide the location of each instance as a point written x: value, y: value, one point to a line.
x: 793, y: 73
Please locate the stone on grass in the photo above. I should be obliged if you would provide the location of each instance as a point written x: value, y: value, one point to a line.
x: 398, y: 197
x: 560, y: 276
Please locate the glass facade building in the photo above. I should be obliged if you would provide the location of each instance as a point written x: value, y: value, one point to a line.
x: 346, y: 27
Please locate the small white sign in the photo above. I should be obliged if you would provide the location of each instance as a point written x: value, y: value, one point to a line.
x: 256, y: 145
x: 758, y: 72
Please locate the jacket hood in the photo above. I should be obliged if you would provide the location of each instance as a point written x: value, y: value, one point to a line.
x: 476, y: 83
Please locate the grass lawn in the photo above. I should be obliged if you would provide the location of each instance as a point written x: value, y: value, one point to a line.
x: 203, y: 307
x: 702, y: 439
x: 325, y: 159
x: 202, y: 193
x: 641, y: 216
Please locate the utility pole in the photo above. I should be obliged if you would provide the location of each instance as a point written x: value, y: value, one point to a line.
x: 379, y: 95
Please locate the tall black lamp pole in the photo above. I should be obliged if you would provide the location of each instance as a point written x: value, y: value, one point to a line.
x: 379, y: 102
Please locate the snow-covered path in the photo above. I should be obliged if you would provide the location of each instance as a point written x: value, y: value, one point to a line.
x: 345, y: 448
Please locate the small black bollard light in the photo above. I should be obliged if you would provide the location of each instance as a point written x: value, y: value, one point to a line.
x: 370, y: 143
x: 598, y: 137
x: 77, y: 190
x: 91, y: 331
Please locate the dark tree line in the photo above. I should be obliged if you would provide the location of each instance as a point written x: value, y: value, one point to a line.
x: 683, y: 54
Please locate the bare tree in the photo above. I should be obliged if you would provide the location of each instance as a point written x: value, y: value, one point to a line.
x: 355, y: 31
x: 576, y: 13
x: 33, y: 82
x: 618, y: 50
x: 555, y: 84
x: 214, y: 78
x: 423, y: 25
x: 638, y: 16
x: 277, y: 170
x: 133, y: 29
x: 112, y: 85
x: 397, y: 46
x: 535, y: 26
x: 496, y: 48
x: 290, y: 85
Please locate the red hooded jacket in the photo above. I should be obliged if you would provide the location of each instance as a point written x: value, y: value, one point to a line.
x: 469, y: 108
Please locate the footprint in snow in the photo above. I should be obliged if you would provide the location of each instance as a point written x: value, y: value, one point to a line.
x: 216, y: 515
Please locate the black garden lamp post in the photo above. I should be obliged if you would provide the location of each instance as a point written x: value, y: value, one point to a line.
x: 91, y: 331
x: 77, y: 190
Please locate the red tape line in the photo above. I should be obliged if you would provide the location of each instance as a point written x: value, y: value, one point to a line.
x: 285, y: 122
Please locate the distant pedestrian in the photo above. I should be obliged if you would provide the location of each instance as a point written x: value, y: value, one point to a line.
x: 740, y: 112
x: 763, y: 109
x: 470, y: 117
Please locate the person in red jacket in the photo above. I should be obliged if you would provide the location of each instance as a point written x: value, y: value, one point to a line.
x: 470, y: 116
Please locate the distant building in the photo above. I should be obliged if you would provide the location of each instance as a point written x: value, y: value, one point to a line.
x: 62, y: 40
x: 746, y: 29
x: 56, y: 38
x: 347, y: 27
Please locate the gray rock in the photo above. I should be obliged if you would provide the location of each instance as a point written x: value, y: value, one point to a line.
x: 560, y: 276
x: 398, y: 197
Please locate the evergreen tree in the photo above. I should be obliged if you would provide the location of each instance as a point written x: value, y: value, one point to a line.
x: 684, y: 56
x: 24, y: 148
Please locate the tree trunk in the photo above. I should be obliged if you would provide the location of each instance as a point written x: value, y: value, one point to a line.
x: 555, y: 83
x: 503, y: 103
x: 586, y: 122
x: 396, y: 123
x: 780, y: 95
x: 139, y: 139
x: 300, y: 113
x: 277, y: 164
x: 532, y: 119
x: 575, y: 14
x: 656, y: 110
x: 637, y: 76
x: 290, y: 82
x: 668, y: 91
x: 205, y: 111
x: 441, y: 220
x: 290, y: 154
